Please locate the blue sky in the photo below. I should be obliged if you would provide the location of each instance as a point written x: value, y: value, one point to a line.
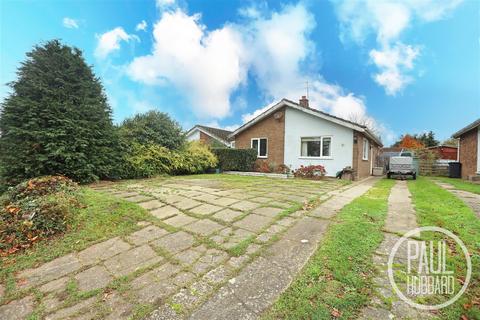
x: 400, y: 66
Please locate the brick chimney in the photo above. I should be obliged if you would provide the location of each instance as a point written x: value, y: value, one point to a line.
x: 303, y: 102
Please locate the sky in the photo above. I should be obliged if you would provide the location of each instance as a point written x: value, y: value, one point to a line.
x: 399, y: 66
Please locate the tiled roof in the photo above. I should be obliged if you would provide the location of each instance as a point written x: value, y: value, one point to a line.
x: 471, y: 126
x: 220, y: 133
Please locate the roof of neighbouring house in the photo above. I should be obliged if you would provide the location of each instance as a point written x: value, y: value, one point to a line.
x: 471, y: 126
x: 315, y: 112
x: 219, y: 134
x: 442, y: 146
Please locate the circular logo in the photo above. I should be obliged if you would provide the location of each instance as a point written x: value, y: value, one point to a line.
x: 431, y: 275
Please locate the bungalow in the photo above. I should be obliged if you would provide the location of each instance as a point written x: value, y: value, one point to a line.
x: 294, y: 134
x: 468, y: 150
x: 209, y: 135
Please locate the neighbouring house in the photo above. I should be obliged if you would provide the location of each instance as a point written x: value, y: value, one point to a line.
x: 294, y: 134
x: 209, y: 135
x: 469, y: 150
x: 445, y: 152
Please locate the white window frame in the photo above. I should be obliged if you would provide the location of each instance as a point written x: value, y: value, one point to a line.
x: 321, y: 148
x: 365, y: 149
x: 258, y: 147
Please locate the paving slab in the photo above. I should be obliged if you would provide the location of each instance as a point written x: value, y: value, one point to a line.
x: 175, y: 242
x: 223, y: 201
x: 163, y: 272
x: 49, y: 271
x: 132, y: 260
x: 165, y: 212
x: 268, y: 211
x: 103, y: 250
x: 139, y: 198
x: 205, y: 209
x: 187, y: 204
x: 18, y: 309
x: 253, y: 222
x: 188, y: 256
x: 117, y: 307
x: 204, y: 227
x: 94, y: 278
x: 82, y: 307
x: 227, y: 215
x: 152, y: 204
x: 55, y: 285
x: 146, y: 235
x: 260, y: 199
x: 245, y: 205
x: 260, y: 283
x: 180, y: 220
x: 154, y: 293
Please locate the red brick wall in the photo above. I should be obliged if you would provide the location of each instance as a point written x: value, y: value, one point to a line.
x: 468, y: 152
x: 270, y: 128
x: 362, y: 167
x: 205, y: 138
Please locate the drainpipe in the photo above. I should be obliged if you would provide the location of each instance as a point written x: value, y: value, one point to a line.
x: 458, y: 150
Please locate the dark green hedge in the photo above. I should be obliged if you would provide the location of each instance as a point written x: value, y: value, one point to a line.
x: 235, y: 159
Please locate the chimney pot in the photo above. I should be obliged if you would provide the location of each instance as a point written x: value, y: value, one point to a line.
x: 303, y: 102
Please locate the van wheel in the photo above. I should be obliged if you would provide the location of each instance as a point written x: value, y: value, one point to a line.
x: 414, y: 176
x: 389, y: 176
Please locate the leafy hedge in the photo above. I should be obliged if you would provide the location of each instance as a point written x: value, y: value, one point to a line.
x: 236, y: 159
x: 150, y: 160
x: 34, y: 210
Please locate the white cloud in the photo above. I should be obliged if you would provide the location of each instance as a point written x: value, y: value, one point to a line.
x: 141, y: 26
x: 110, y: 41
x: 387, y: 20
x: 205, y: 66
x: 70, y: 23
x: 164, y: 3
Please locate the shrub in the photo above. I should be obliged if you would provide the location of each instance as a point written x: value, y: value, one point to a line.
x: 153, y: 127
x: 310, y: 172
x: 151, y: 160
x: 34, y: 210
x: 236, y: 159
x: 56, y: 120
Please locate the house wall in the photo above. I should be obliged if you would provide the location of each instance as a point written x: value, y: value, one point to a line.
x: 205, y: 138
x: 363, y: 167
x: 271, y: 128
x: 299, y: 124
x: 194, y: 136
x: 469, y: 152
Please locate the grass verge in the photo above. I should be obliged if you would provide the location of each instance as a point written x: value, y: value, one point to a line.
x: 103, y: 217
x: 438, y: 207
x: 337, y: 279
x: 461, y: 184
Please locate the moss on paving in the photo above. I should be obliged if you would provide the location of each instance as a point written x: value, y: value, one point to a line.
x: 339, y: 274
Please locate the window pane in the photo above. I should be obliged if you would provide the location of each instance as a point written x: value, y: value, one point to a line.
x: 255, y: 144
x: 304, y: 152
x: 313, y: 148
x: 326, y: 147
x: 263, y: 147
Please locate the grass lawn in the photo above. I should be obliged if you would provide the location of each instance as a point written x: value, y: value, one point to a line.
x: 103, y: 217
x: 461, y: 184
x: 438, y: 207
x: 338, y: 277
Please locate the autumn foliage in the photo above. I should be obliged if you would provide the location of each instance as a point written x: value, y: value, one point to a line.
x: 409, y: 142
x: 35, y: 210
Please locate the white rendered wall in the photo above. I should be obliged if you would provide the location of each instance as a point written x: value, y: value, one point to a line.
x: 194, y: 136
x: 300, y: 124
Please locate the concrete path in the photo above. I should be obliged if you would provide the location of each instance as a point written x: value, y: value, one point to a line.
x: 400, y: 219
x: 256, y: 287
x: 471, y: 199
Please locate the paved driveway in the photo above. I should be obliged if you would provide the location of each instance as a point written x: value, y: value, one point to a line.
x: 207, y: 229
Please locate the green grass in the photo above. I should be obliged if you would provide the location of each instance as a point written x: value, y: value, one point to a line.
x: 339, y: 274
x: 438, y: 207
x: 461, y: 184
x: 102, y: 218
